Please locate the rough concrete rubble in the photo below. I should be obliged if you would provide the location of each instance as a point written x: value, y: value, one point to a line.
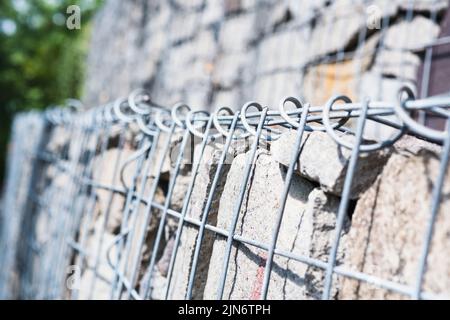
x: 309, y: 219
x: 388, y: 229
x: 323, y: 161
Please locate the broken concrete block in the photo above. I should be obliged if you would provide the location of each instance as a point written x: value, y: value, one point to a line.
x: 322, y: 160
x: 169, y: 157
x: 159, y: 284
x: 307, y: 229
x: 179, y: 192
x: 388, y: 229
x: 399, y: 36
x: 416, y: 146
x: 159, y: 281
x: 200, y: 193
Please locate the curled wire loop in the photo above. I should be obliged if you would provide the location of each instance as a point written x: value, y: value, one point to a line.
x: 160, y: 121
x: 177, y: 114
x: 137, y: 100
x: 190, y: 119
x: 217, y: 121
x: 298, y: 110
x: 145, y: 127
x: 133, y: 157
x: 248, y: 127
x: 121, y: 116
x: 344, y: 143
x: 151, y: 117
x: 298, y: 105
x: 403, y: 114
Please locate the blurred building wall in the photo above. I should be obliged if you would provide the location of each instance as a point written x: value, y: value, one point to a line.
x: 227, y: 52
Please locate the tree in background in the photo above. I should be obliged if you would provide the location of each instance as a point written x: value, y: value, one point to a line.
x: 41, y: 60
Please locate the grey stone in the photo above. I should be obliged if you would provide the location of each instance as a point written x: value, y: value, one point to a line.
x: 322, y: 160
x: 158, y: 288
x: 194, y: 58
x: 183, y: 25
x: 388, y: 230
x: 416, y: 146
x: 307, y: 229
x: 232, y: 69
x: 200, y: 193
x: 402, y: 65
x: 399, y: 36
x: 228, y: 98
x: 379, y: 88
x: 282, y: 51
x: 271, y: 89
x: 213, y: 12
x: 117, y: 204
x: 341, y: 23
x: 238, y: 32
x: 424, y: 5
x: 198, y: 98
x: 102, y: 289
x: 301, y: 8
x: 324, y: 80
x: 168, y: 157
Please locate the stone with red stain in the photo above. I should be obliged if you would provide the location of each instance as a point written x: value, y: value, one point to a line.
x: 389, y: 225
x: 307, y: 229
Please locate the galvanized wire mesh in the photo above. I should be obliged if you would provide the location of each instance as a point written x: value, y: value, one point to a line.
x: 67, y: 228
x: 99, y: 201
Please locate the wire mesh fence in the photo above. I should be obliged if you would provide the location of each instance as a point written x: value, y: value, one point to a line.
x: 94, y: 234
x: 135, y: 200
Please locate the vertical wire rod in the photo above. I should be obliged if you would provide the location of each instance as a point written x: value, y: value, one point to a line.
x: 164, y: 213
x: 237, y: 208
x: 147, y: 211
x: 128, y: 203
x: 136, y: 208
x: 437, y: 196
x: 186, y: 204
x: 343, y: 205
x: 108, y: 211
x: 208, y: 206
x: 287, y: 186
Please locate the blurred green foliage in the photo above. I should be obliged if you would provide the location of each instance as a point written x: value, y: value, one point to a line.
x: 41, y: 61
